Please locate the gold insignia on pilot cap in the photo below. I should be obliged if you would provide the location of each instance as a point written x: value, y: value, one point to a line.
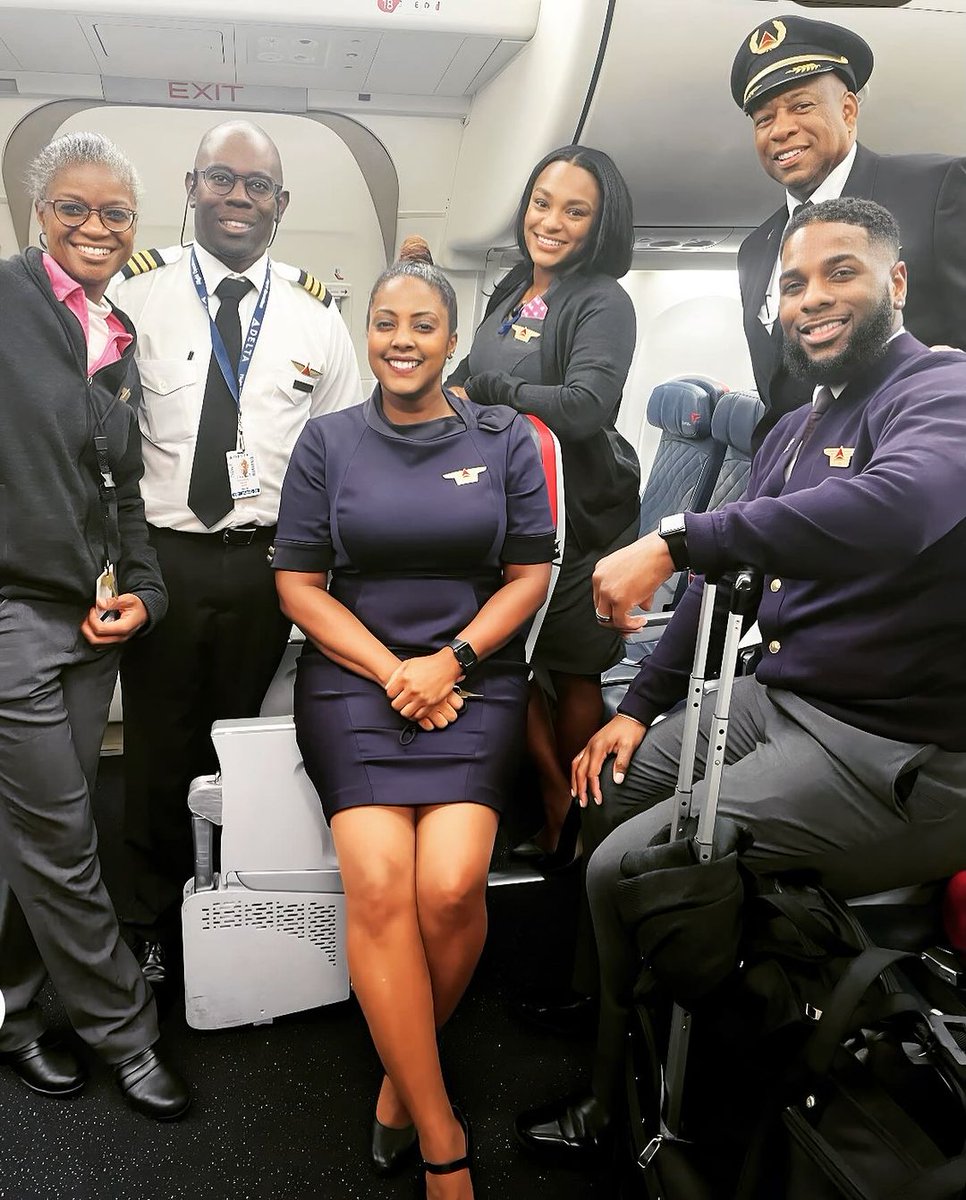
x: 804, y: 68
x: 839, y: 456
x: 763, y: 40
x: 465, y: 475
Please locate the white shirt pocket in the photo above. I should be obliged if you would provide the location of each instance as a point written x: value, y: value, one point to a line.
x: 296, y: 387
x: 169, y: 413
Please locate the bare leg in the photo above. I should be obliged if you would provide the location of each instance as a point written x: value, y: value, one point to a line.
x: 580, y: 713
x: 454, y: 844
x: 554, y: 781
x: 377, y: 857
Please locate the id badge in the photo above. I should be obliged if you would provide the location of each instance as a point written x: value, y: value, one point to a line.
x: 242, y: 474
x: 106, y: 589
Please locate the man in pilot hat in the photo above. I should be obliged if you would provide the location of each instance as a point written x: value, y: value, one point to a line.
x: 798, y: 79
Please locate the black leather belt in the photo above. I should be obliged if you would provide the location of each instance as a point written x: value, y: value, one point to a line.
x: 237, y: 535
x: 245, y: 535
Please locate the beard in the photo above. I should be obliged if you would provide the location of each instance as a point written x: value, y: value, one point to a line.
x: 864, y: 348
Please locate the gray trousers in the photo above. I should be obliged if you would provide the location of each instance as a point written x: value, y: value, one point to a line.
x: 814, y: 792
x: 56, y: 917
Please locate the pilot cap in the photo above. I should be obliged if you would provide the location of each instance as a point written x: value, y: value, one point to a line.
x: 788, y: 50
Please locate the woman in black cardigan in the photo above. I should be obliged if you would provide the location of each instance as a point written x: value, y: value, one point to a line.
x: 557, y: 341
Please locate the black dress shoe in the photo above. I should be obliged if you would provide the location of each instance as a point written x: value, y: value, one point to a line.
x: 564, y: 855
x: 46, y: 1066
x: 575, y: 1131
x: 391, y: 1147
x: 569, y: 1013
x: 151, y: 1087
x: 153, y: 962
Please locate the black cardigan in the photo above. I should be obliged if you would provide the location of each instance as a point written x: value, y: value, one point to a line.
x: 51, y: 527
x: 586, y: 348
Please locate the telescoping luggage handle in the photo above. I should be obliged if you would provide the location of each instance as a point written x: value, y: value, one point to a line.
x: 744, y: 590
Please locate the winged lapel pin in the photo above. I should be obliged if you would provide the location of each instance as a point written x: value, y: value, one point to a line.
x: 465, y: 475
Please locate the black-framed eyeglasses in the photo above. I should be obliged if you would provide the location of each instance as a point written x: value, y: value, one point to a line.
x: 74, y: 213
x: 222, y: 182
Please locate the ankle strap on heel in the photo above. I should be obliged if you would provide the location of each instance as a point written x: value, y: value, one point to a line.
x: 450, y: 1168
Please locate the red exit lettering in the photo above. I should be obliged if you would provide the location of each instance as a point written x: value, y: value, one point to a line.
x: 215, y: 93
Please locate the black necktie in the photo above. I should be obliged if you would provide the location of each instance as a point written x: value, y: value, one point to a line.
x: 209, y: 493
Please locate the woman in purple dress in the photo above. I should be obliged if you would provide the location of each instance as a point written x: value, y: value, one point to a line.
x: 413, y: 548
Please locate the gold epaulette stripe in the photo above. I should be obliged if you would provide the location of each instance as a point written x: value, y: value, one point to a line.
x: 314, y: 287
x: 141, y: 261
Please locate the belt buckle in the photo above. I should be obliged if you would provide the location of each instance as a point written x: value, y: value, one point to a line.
x: 239, y: 535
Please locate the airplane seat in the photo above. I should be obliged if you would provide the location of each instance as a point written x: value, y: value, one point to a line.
x: 732, y: 425
x: 688, y: 459
x: 264, y: 933
x: 278, y: 701
x: 733, y: 419
x: 954, y: 911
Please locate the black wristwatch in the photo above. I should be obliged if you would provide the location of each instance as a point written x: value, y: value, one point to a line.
x: 675, y: 534
x: 465, y: 654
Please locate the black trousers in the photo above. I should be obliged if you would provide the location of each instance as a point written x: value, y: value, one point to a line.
x: 212, y: 658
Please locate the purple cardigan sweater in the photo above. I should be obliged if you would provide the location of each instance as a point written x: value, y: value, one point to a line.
x: 863, y: 612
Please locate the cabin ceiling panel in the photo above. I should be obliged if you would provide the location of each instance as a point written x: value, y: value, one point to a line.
x: 7, y: 61
x: 43, y: 41
x: 160, y: 48
x: 407, y: 63
x: 464, y: 72
x: 685, y: 147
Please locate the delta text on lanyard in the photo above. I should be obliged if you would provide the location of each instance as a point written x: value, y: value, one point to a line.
x: 235, y: 383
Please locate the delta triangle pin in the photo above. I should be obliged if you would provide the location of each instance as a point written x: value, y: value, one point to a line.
x: 763, y: 40
x: 465, y: 475
x: 839, y: 456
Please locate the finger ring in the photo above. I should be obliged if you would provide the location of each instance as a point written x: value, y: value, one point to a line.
x: 602, y: 619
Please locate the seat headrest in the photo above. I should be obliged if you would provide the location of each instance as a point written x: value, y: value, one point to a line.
x: 713, y: 388
x: 734, y: 419
x: 681, y: 408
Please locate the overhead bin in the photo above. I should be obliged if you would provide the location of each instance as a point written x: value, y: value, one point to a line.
x: 446, y: 48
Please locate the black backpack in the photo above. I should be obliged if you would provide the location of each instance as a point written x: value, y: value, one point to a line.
x: 816, y: 1071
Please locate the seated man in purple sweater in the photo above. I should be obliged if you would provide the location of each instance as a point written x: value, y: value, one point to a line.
x: 848, y: 745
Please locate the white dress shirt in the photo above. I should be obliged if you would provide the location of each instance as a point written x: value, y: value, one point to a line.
x: 829, y: 189
x: 173, y: 353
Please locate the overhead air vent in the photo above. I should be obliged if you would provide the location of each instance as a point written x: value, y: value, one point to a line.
x: 8, y: 87
x: 695, y: 240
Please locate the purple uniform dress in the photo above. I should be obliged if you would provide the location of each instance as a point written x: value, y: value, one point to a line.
x: 414, y: 523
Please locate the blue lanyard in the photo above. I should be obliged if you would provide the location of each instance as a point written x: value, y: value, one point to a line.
x: 234, y: 384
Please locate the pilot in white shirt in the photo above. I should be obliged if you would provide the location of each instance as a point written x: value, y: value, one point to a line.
x: 225, y: 397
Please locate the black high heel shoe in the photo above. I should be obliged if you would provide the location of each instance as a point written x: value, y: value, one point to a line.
x: 565, y: 854
x: 449, y: 1168
x: 392, y: 1146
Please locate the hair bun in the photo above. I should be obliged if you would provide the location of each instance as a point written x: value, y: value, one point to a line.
x: 415, y: 249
